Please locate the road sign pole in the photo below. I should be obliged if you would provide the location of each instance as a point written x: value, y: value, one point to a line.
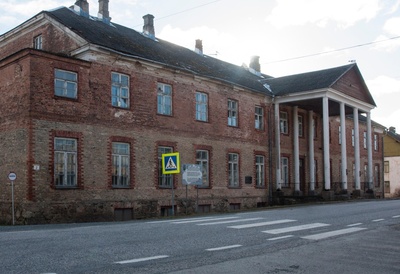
x: 12, y: 202
x: 172, y: 211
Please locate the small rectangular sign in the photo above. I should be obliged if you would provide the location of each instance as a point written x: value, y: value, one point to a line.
x: 192, y: 175
x: 170, y: 163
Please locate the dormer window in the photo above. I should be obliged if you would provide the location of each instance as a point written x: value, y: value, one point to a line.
x: 37, y: 42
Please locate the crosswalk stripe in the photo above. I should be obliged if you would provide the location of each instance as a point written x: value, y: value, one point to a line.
x: 186, y: 219
x: 231, y: 221
x: 295, y: 228
x: 203, y: 220
x: 280, y: 238
x: 357, y: 224
x: 142, y: 259
x: 223, y: 247
x: 378, y: 220
x: 333, y: 233
x: 397, y: 216
x: 262, y: 224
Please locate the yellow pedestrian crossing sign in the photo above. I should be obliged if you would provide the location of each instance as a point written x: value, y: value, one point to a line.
x: 170, y: 163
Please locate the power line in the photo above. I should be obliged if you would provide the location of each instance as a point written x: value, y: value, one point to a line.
x: 330, y: 51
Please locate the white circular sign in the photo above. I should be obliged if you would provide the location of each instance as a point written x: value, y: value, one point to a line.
x: 12, y: 176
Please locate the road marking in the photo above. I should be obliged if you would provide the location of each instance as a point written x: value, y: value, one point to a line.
x: 172, y: 220
x: 231, y: 221
x: 397, y: 216
x: 295, y: 228
x: 203, y: 220
x: 280, y: 238
x: 378, y: 220
x: 333, y: 233
x: 262, y: 224
x: 355, y: 224
x: 142, y: 259
x: 223, y: 247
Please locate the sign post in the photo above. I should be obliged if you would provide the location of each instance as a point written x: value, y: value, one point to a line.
x: 12, y: 177
x: 171, y: 165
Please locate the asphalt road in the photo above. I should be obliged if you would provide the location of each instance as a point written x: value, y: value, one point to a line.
x: 350, y: 237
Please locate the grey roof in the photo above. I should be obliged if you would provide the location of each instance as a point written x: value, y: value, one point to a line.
x: 394, y: 135
x: 130, y: 42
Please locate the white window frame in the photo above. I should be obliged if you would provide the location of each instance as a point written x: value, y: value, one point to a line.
x: 260, y: 170
x: 283, y: 122
x: 65, y: 162
x: 233, y: 169
x: 301, y: 124
x: 285, y: 171
x: 232, y: 113
x: 120, y: 90
x: 164, y: 180
x: 203, y: 159
x: 259, y: 118
x: 120, y: 165
x: 65, y: 83
x: 352, y: 137
x: 38, y: 42
x: 164, y: 99
x: 376, y: 144
x: 365, y: 139
x: 201, y: 106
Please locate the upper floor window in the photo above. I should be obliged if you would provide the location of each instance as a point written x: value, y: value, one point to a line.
x: 164, y: 99
x: 164, y: 180
x: 260, y: 175
x: 202, y: 159
x: 300, y: 121
x: 120, y: 164
x: 352, y: 137
x: 375, y: 142
x: 233, y: 169
x: 65, y: 162
x: 283, y: 122
x: 365, y: 139
x: 65, y: 83
x: 37, y: 42
x: 386, y: 166
x: 259, y: 118
x: 201, y: 107
x: 232, y: 113
x: 119, y: 90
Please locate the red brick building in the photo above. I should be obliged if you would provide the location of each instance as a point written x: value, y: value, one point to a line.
x: 88, y: 107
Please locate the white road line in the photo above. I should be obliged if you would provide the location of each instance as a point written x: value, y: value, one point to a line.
x: 173, y: 220
x: 262, y: 224
x: 378, y: 220
x: 232, y: 221
x: 142, y: 259
x: 280, y: 238
x: 397, y: 216
x: 295, y: 228
x: 333, y: 233
x: 203, y: 220
x: 223, y: 247
x: 355, y: 224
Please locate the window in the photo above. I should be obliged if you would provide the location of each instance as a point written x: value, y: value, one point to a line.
x: 37, y: 42
x: 352, y: 137
x: 316, y: 172
x: 300, y: 120
x: 285, y: 171
x: 386, y: 166
x: 259, y: 118
x: 201, y: 107
x: 232, y: 113
x: 340, y: 135
x: 164, y: 180
x: 375, y: 142
x: 365, y: 139
x: 233, y: 169
x: 119, y: 90
x: 377, y: 177
x: 164, y: 99
x: 260, y: 175
x: 65, y: 83
x: 283, y: 122
x: 314, y: 125
x: 120, y: 165
x: 65, y: 162
x: 203, y: 160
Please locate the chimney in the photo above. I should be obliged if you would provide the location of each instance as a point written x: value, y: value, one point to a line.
x: 255, y: 63
x: 103, y: 10
x: 199, y: 47
x: 148, y: 27
x: 83, y: 4
x: 392, y: 129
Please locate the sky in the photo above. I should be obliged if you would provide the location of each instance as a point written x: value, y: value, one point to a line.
x: 290, y: 36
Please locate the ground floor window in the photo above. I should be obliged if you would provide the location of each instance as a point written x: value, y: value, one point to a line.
x: 65, y: 162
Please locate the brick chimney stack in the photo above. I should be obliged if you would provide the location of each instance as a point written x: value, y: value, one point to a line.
x: 83, y: 4
x: 255, y: 63
x: 199, y: 47
x: 103, y: 9
x: 148, y: 27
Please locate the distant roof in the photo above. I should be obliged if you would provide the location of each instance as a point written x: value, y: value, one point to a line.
x: 394, y: 135
x: 130, y: 42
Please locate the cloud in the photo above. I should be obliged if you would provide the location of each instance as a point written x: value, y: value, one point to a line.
x: 345, y: 13
x: 391, y: 26
x: 384, y: 85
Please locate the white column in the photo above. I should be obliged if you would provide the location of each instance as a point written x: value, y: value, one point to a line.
x: 369, y: 148
x: 296, y: 149
x: 311, y: 149
x: 278, y: 147
x: 343, y: 145
x: 356, y: 150
x: 325, y: 125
